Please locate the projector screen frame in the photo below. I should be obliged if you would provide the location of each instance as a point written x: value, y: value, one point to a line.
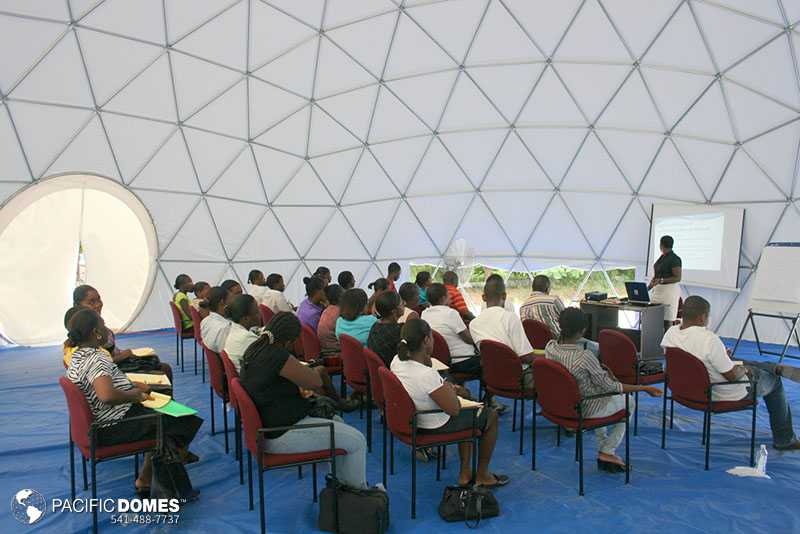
x: 650, y: 244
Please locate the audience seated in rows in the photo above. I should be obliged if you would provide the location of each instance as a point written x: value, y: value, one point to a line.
x: 273, y: 296
x: 215, y: 327
x: 354, y: 318
x: 546, y: 308
x: 428, y: 391
x: 594, y: 379
x: 184, y: 285
x: 409, y: 292
x: 311, y: 308
x: 244, y: 316
x: 457, y: 301
x: 278, y: 384
x: 326, y: 330
x: 393, y: 275
x: 385, y: 334
x: 113, y: 398
x: 423, y: 282
x: 693, y: 337
x: 346, y: 280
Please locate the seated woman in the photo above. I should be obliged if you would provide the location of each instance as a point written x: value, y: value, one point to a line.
x: 428, y: 391
x: 310, y: 310
x: 409, y: 292
x: 245, y: 317
x: 354, y: 319
x: 594, y: 379
x: 86, y: 296
x: 256, y: 284
x: 423, y: 282
x: 378, y: 286
x: 326, y: 330
x: 385, y: 334
x: 346, y: 280
x: 274, y: 379
x: 184, y: 285
x: 200, y: 300
x: 324, y: 273
x: 214, y: 328
x: 232, y: 286
x: 113, y: 398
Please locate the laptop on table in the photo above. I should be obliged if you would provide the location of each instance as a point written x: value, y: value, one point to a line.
x: 637, y: 293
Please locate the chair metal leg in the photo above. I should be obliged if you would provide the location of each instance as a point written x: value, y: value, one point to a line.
x: 203, y: 367
x: 85, y: 479
x: 579, y: 441
x: 261, y: 511
x: 705, y: 425
x: 299, y: 472
x: 628, y: 442
x: 558, y: 436
x: 384, y: 454
x: 211, y: 401
x: 391, y: 454
x: 241, y: 454
x: 521, y: 424
x: 225, y: 424
x: 444, y: 457
x: 250, y: 479
x: 135, y: 467
x: 708, y: 439
x: 94, y: 493
x: 182, y: 353
x: 72, y: 468
x: 314, y: 482
x: 369, y: 418
x: 514, y: 418
x: 177, y: 348
x: 438, y: 463
x: 671, y: 413
x: 533, y: 438
x: 636, y: 415
x: 195, y: 357
x: 664, y: 420
x: 753, y: 438
x: 576, y: 450
x: 413, y: 482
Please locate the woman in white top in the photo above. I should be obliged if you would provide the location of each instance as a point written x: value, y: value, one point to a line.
x: 428, y: 391
x: 244, y: 316
x: 214, y: 328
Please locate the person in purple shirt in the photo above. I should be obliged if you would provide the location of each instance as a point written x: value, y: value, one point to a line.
x: 311, y: 308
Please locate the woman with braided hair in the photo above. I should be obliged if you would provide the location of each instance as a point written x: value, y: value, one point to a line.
x: 276, y: 380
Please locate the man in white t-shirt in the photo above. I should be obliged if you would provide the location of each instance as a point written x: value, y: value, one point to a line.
x: 273, y: 297
x: 449, y: 324
x: 693, y: 337
x: 496, y: 323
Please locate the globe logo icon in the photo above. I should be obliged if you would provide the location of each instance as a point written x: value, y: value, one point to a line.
x: 28, y: 506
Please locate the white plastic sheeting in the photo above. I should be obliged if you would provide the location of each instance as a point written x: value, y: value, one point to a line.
x: 285, y: 134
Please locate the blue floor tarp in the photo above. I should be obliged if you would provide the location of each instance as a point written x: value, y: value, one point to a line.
x: 669, y: 490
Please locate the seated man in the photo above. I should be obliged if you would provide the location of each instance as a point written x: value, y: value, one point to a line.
x: 693, y: 337
x: 498, y: 324
x: 272, y: 296
x: 448, y: 323
x: 457, y: 301
x: 546, y: 308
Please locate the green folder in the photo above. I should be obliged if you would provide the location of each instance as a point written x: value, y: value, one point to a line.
x: 176, y: 409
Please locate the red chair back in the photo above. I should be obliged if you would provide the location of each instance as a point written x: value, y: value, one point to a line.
x: 399, y: 408
x: 354, y: 365
x: 230, y: 374
x: 216, y: 373
x: 374, y: 362
x: 687, y: 377
x: 557, y: 390
x: 251, y: 420
x: 176, y: 316
x: 310, y: 341
x: 266, y: 314
x: 80, y: 415
x: 502, y: 368
x: 537, y: 332
x: 440, y: 349
x: 619, y: 354
x: 196, y: 320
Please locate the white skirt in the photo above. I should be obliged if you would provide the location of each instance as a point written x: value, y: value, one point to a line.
x: 668, y: 295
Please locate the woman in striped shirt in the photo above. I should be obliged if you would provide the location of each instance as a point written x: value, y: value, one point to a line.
x: 113, y: 398
x: 594, y: 379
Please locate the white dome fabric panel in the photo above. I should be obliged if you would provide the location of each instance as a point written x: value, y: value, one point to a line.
x: 285, y: 134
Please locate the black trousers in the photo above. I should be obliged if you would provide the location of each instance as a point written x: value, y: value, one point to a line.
x: 182, y: 430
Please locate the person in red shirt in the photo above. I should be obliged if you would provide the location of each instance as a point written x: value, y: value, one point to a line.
x: 457, y: 301
x: 394, y: 275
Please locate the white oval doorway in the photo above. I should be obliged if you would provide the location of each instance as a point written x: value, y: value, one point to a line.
x: 68, y: 230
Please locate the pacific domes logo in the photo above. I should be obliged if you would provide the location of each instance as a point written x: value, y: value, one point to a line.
x: 28, y: 506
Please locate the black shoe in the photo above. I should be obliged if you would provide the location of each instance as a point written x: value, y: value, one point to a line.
x: 609, y: 467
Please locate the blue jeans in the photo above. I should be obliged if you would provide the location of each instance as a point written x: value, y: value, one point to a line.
x: 351, y: 469
x: 770, y: 386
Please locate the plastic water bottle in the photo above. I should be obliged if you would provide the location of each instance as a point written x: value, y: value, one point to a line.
x: 761, y: 461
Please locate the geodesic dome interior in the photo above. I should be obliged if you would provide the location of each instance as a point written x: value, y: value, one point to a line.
x: 283, y: 135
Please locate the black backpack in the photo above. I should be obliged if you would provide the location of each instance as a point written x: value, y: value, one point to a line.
x: 357, y: 511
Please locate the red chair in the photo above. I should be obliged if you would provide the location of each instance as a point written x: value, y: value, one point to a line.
x: 562, y: 404
x: 198, y: 339
x: 503, y: 376
x: 181, y: 335
x: 441, y: 351
x: 354, y: 369
x: 687, y: 380
x: 618, y: 353
x: 230, y: 374
x: 217, y: 384
x: 374, y: 362
x: 266, y: 314
x: 83, y: 431
x: 312, y: 350
x: 401, y: 418
x: 254, y: 434
x: 537, y: 332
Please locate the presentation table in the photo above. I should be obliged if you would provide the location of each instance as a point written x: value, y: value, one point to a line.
x: 647, y: 338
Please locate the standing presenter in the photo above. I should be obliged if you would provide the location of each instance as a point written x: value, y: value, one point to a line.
x: 664, y: 287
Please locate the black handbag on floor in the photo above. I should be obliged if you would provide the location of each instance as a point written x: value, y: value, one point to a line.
x: 360, y: 511
x: 468, y: 504
x: 170, y: 480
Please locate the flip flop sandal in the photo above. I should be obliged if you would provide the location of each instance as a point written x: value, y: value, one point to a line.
x: 501, y: 480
